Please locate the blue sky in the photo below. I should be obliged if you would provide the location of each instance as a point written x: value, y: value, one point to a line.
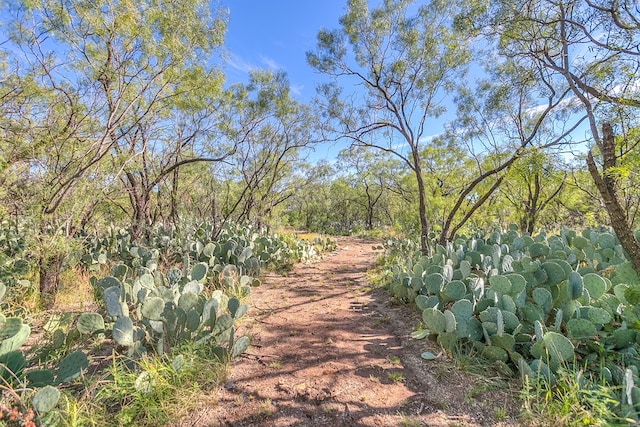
x: 276, y: 34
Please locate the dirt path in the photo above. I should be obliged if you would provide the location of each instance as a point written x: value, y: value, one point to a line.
x: 328, y: 351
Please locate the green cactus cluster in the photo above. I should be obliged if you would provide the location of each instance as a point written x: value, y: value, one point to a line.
x: 280, y: 252
x: 148, y: 310
x: 158, y: 292
x: 15, y: 371
x: 239, y: 245
x: 14, y: 264
x: 532, y: 304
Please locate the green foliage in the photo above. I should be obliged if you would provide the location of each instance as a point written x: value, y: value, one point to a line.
x: 90, y: 323
x: 203, y: 247
x: 575, y: 399
x: 13, y: 262
x: 18, y: 375
x: 151, y: 390
x: 193, y: 304
x: 45, y: 399
x: 13, y: 334
x: 169, y: 314
x: 539, y: 304
x: 16, y: 265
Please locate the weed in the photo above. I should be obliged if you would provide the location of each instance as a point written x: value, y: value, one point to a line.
x: 442, y: 371
x: 500, y: 414
x: 409, y: 422
x: 483, y: 385
x: 266, y: 407
x: 573, y: 401
x: 443, y: 405
x: 329, y: 408
x: 474, y: 391
x: 153, y: 390
x: 75, y: 292
x: 395, y: 376
x: 466, y: 359
x: 79, y: 411
x: 383, y: 320
x: 394, y: 360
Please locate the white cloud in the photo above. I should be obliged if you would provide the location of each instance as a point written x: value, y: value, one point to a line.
x: 241, y: 64
x: 271, y: 63
x: 630, y: 89
x: 296, y: 89
x: 569, y: 102
x: 428, y: 138
x: 237, y: 62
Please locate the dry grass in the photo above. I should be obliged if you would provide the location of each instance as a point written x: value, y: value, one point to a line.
x: 308, y: 236
x: 75, y: 292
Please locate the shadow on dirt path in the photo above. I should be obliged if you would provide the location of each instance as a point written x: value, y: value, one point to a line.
x: 327, y: 350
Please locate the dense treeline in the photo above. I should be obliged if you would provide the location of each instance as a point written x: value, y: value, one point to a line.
x: 119, y: 112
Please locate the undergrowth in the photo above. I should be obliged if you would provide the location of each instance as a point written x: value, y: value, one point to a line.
x: 573, y: 400
x: 150, y: 391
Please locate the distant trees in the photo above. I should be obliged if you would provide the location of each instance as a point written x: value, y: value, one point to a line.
x: 115, y: 108
x: 509, y: 119
x: 405, y: 60
x: 275, y: 130
x: 310, y: 208
x: 535, y: 182
x: 361, y: 191
x: 552, y: 67
x: 103, y: 94
x: 373, y: 177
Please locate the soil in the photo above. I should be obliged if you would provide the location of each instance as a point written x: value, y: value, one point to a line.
x: 328, y: 349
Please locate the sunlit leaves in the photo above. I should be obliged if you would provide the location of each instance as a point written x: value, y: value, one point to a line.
x: 102, y: 84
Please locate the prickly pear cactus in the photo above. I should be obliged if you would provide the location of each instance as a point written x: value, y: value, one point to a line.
x: 534, y: 304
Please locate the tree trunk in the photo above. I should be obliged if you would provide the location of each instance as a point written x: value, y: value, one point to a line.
x: 425, y: 227
x: 142, y: 219
x: 454, y: 230
x: 49, y: 272
x: 370, y: 219
x: 138, y: 223
x: 173, y: 214
x: 606, y: 184
x: 370, y: 207
x: 531, y: 206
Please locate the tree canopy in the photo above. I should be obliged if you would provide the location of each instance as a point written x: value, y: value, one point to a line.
x: 448, y: 116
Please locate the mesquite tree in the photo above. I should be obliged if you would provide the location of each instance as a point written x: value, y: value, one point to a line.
x: 100, y: 84
x: 591, y: 48
x: 402, y: 59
